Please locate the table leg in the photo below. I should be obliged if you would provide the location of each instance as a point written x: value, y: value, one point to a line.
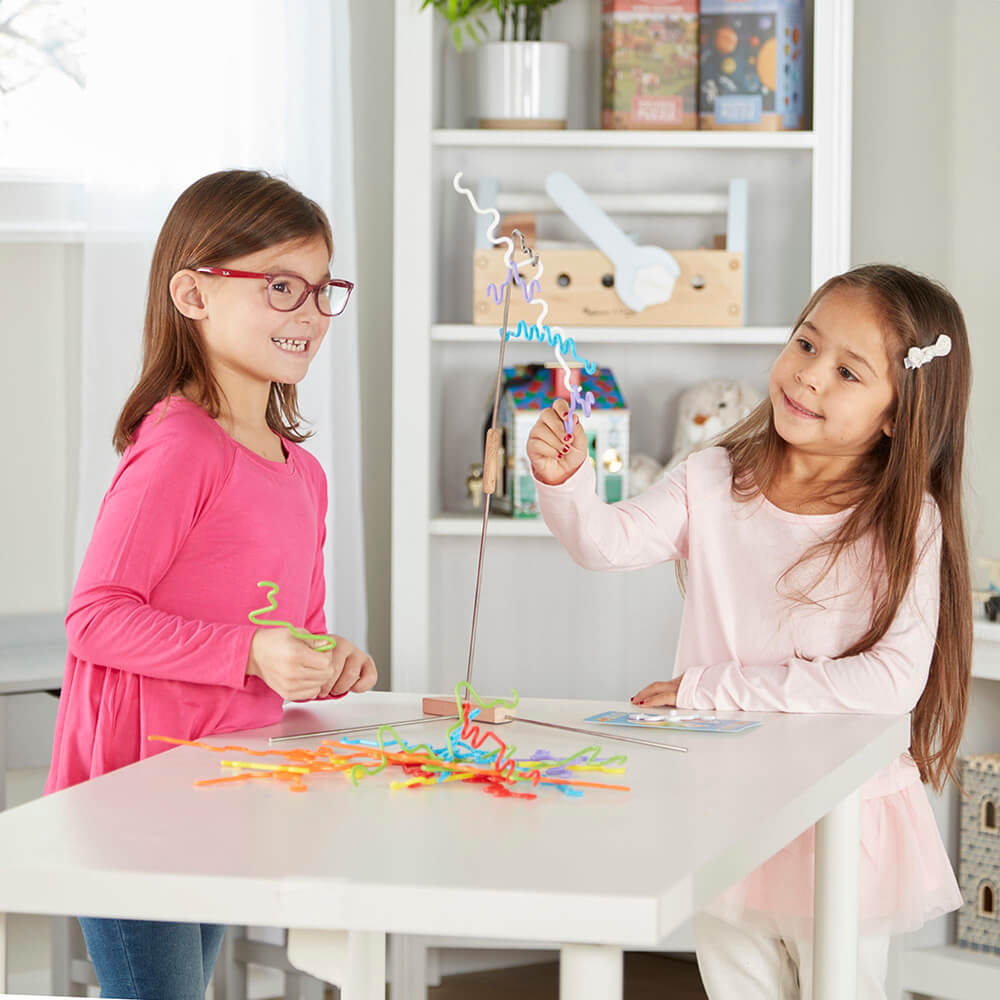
x: 352, y: 960
x: 408, y: 967
x: 590, y: 972
x: 835, y: 907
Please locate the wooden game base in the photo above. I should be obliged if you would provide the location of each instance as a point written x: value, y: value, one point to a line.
x: 446, y: 706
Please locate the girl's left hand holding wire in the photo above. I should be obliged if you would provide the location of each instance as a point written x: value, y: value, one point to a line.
x: 353, y: 670
x: 658, y: 694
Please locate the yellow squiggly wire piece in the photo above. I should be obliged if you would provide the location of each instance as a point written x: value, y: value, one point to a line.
x: 326, y: 643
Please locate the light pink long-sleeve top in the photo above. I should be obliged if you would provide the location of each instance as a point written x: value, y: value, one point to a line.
x: 157, y: 630
x: 746, y: 644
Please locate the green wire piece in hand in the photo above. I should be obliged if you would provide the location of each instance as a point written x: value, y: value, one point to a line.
x: 326, y: 643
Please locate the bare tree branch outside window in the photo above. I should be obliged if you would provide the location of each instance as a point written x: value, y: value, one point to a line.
x: 41, y: 79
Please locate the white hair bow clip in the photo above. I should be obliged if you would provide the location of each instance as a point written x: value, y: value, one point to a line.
x: 917, y: 356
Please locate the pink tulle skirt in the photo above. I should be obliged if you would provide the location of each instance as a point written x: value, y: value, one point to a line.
x: 905, y: 876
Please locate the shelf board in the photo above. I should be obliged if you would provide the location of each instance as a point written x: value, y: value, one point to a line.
x: 951, y: 973
x: 986, y: 650
x: 986, y: 630
x: 470, y: 333
x: 499, y: 524
x: 622, y: 139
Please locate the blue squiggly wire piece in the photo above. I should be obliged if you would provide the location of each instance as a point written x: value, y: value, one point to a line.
x: 565, y: 345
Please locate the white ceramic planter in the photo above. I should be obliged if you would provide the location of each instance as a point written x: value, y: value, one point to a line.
x: 523, y: 84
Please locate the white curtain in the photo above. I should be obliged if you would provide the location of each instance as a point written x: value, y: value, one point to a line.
x: 176, y: 91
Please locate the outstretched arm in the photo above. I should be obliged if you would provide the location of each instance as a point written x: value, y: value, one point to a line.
x: 646, y: 530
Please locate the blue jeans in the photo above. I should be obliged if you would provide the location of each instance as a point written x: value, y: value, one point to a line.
x: 152, y: 959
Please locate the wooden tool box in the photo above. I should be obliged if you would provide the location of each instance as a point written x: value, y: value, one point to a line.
x: 579, y: 284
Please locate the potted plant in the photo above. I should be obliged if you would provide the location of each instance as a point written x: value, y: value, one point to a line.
x: 523, y: 82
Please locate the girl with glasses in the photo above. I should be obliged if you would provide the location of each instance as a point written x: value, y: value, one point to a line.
x: 213, y: 494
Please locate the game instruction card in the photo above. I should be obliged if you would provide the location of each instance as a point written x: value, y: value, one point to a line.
x: 673, y: 718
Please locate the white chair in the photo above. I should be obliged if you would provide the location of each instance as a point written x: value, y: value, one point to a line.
x: 240, y: 950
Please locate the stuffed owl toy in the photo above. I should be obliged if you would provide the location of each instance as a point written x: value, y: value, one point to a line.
x: 706, y: 410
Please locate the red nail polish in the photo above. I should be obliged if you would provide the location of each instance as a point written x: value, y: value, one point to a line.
x: 567, y: 437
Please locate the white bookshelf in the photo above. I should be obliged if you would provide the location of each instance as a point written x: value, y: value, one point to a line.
x: 607, y: 139
x: 444, y: 365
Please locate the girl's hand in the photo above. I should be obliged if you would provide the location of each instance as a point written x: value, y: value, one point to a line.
x: 554, y: 454
x: 289, y: 666
x: 658, y: 694
x: 353, y: 670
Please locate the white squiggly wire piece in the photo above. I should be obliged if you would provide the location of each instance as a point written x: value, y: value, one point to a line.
x: 495, y: 240
x: 509, y: 253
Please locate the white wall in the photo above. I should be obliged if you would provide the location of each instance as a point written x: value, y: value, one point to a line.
x: 925, y: 167
x: 40, y: 304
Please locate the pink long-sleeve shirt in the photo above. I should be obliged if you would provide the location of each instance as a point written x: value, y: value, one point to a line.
x: 745, y: 643
x: 157, y: 631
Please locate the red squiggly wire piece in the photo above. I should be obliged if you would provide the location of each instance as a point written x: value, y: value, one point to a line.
x: 475, y: 737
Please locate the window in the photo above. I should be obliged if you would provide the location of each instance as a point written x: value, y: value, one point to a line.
x: 987, y: 901
x: 41, y: 85
x: 988, y: 817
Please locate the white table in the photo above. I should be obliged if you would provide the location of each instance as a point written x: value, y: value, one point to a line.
x: 344, y: 866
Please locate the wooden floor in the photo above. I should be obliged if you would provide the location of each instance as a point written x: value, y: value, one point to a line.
x: 646, y: 977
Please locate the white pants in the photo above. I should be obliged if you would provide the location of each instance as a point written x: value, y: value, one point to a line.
x: 742, y: 963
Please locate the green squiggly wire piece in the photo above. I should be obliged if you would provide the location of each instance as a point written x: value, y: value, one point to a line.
x: 327, y: 641
x: 472, y: 696
x: 367, y: 770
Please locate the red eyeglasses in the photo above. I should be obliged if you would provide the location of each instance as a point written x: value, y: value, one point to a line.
x: 286, y: 292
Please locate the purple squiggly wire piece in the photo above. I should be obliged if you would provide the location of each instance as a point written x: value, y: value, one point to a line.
x: 529, y: 290
x: 578, y: 399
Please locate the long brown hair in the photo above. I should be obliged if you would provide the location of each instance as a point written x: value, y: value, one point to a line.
x: 888, y: 486
x: 218, y: 218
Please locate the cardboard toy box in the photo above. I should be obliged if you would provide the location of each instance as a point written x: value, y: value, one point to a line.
x: 649, y: 66
x: 751, y: 66
x: 529, y: 389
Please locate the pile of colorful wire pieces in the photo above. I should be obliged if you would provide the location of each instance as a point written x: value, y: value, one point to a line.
x: 465, y: 757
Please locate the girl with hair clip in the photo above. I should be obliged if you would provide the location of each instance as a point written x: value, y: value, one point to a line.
x: 213, y: 494
x: 826, y: 572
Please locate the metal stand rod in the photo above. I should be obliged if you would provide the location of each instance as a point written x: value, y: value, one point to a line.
x: 603, y: 736
x: 489, y: 479
x: 357, y: 729
x: 438, y: 718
